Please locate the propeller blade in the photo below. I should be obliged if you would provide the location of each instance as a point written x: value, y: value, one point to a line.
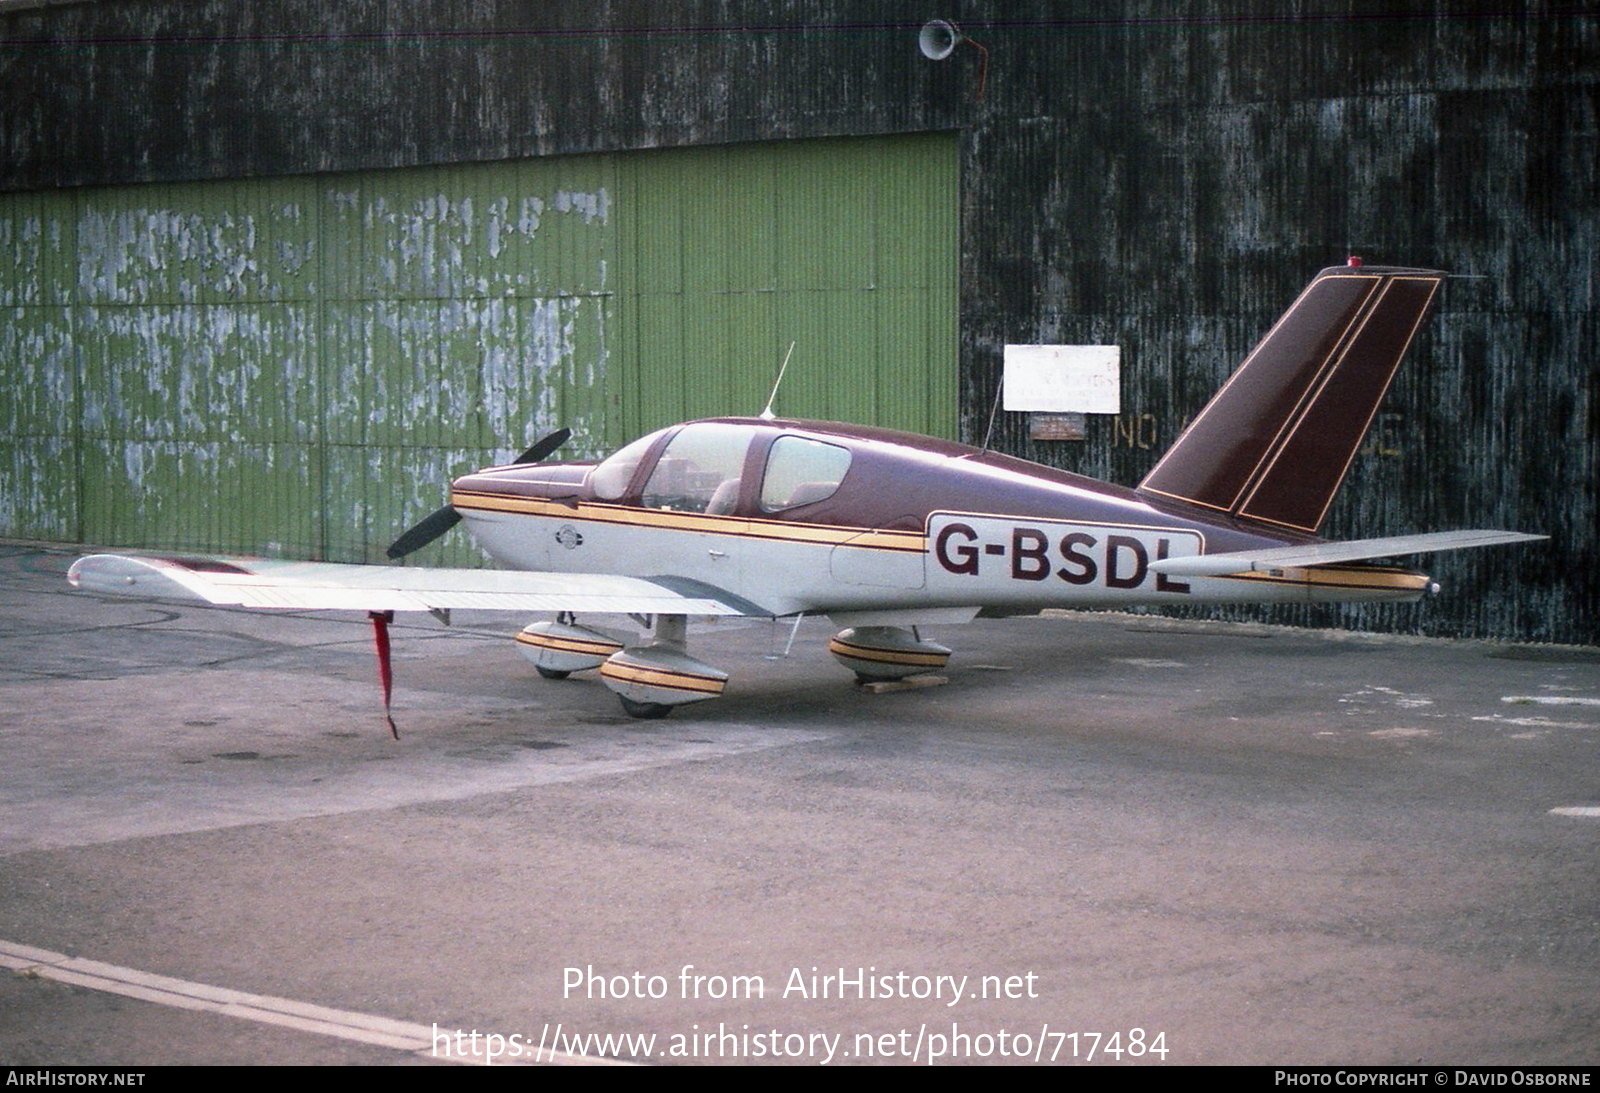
x: 544, y: 447
x: 425, y: 531
x: 439, y: 521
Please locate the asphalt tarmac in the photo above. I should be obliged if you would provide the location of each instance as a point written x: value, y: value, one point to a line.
x: 1108, y: 839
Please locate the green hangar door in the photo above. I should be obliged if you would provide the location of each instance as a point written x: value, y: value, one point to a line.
x: 298, y: 366
x: 845, y: 249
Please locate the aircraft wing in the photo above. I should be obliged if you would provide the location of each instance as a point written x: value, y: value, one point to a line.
x: 1356, y: 550
x: 335, y: 586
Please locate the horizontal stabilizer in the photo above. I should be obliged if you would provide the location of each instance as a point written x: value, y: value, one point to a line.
x: 333, y: 586
x: 1356, y: 550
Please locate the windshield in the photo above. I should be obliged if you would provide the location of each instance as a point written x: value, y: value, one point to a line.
x: 610, y: 479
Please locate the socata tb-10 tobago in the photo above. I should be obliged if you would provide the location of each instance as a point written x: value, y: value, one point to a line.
x: 884, y: 531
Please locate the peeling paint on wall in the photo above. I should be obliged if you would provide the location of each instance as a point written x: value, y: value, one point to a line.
x: 302, y: 365
x: 216, y: 346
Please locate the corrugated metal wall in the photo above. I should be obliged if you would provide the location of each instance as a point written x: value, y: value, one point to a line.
x: 847, y: 249
x: 1195, y: 173
x: 299, y: 365
x: 1161, y: 176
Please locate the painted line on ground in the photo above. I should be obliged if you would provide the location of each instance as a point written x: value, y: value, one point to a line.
x: 1549, y: 700
x: 1587, y: 812
x: 363, y: 1028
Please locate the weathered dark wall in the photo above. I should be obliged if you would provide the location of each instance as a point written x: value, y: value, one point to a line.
x: 1165, y: 178
x: 1187, y: 177
x: 146, y: 90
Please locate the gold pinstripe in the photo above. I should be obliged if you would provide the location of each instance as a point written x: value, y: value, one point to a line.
x: 887, y: 656
x: 660, y: 677
x: 1067, y: 521
x: 1401, y: 580
x: 569, y: 645
x: 910, y: 542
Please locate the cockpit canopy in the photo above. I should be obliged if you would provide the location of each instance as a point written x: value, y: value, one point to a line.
x: 718, y: 467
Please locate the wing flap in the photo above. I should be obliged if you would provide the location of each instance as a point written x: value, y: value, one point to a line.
x: 1355, y: 550
x: 334, y: 586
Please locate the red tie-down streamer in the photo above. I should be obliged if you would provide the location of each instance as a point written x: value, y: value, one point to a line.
x: 380, y: 638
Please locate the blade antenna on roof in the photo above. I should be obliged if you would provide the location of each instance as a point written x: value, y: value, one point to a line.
x: 994, y: 408
x: 767, y: 414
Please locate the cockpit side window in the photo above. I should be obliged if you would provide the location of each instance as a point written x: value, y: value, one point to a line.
x: 609, y: 480
x: 801, y: 471
x: 701, y: 469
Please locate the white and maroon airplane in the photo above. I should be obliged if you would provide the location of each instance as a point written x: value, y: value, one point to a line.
x: 884, y: 532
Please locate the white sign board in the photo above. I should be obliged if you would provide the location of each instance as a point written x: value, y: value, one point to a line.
x: 1086, y: 379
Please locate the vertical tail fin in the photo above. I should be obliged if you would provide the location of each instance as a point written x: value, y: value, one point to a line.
x: 1274, y: 444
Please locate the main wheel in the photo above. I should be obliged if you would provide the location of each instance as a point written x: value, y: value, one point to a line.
x: 646, y: 711
x: 551, y: 673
